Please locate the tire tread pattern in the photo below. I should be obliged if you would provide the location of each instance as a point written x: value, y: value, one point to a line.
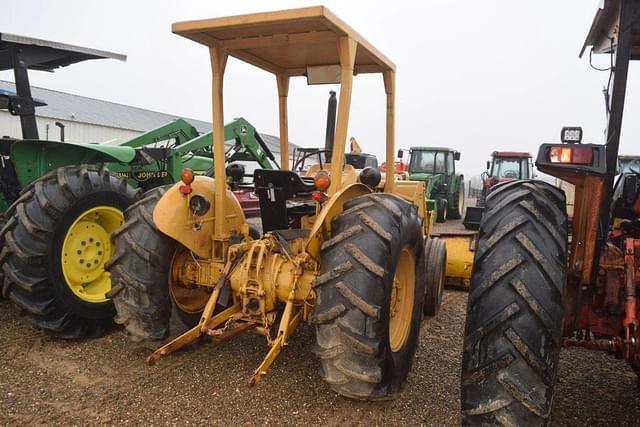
x: 515, y: 310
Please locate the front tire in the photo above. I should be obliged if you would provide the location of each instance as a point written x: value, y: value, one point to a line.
x: 441, y: 210
x: 435, y: 256
x: 370, y: 293
x: 56, y: 244
x: 515, y: 309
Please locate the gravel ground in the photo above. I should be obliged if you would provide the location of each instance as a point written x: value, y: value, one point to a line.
x: 104, y: 381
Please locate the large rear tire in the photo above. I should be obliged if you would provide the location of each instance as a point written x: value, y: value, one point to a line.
x: 144, y: 292
x: 56, y: 244
x: 370, y: 293
x: 515, y: 309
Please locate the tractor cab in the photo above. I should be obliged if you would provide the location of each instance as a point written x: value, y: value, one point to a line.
x: 509, y: 165
x: 444, y: 187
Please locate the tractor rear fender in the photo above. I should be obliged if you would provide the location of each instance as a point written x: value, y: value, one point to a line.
x: 33, y: 159
x: 321, y: 230
x: 414, y: 192
x: 173, y: 216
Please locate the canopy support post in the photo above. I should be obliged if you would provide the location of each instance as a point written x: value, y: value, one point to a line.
x: 283, y: 92
x: 347, y: 52
x: 389, y: 88
x: 218, y: 63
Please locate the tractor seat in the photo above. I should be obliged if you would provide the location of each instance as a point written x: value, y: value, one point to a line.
x: 274, y: 188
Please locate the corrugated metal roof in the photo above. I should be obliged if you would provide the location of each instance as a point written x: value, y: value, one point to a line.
x: 66, y: 106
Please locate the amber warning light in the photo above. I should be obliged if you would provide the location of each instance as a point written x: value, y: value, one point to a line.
x: 576, y: 155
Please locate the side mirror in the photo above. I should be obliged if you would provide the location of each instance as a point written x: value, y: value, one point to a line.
x: 456, y: 155
x: 400, y: 153
x: 488, y: 164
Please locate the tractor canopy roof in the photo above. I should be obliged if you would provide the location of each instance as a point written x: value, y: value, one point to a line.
x: 423, y: 148
x: 604, y: 31
x: 521, y: 154
x: 286, y: 40
x: 47, y: 55
x: 310, y: 42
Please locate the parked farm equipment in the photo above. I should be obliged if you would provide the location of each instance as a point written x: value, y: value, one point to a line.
x: 444, y: 187
x: 504, y: 166
x: 67, y: 198
x: 532, y: 289
x: 345, y: 257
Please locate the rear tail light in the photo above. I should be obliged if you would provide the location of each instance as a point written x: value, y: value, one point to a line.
x: 575, y: 155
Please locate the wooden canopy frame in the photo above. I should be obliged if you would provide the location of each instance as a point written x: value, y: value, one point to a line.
x: 285, y: 43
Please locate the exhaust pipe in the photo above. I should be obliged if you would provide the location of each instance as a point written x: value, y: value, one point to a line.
x: 331, y: 124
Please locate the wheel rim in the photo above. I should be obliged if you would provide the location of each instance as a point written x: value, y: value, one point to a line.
x: 86, y: 248
x: 188, y: 298
x: 402, y: 296
x: 461, y: 201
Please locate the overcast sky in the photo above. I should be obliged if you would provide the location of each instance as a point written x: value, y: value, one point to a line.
x: 473, y: 75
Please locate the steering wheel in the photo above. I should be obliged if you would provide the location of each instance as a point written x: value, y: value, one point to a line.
x: 510, y: 174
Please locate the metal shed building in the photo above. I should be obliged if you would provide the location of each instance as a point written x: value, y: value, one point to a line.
x: 94, y: 120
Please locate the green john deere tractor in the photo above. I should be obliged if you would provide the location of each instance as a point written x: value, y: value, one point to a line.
x: 61, y: 201
x: 444, y: 188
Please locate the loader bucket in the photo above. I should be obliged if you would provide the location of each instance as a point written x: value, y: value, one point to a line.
x: 472, y: 217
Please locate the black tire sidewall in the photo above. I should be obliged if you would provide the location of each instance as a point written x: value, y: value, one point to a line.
x: 97, y: 311
x: 437, y: 260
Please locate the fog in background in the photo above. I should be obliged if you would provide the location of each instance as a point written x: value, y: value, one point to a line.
x: 475, y: 75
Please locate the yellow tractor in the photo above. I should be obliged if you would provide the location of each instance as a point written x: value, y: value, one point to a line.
x: 340, y: 249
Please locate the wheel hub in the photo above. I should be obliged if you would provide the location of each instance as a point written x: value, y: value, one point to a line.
x: 86, y: 248
x: 402, y: 300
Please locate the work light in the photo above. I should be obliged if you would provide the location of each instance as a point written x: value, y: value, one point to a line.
x: 571, y: 135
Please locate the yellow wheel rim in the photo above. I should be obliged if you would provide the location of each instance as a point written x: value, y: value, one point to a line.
x: 190, y: 299
x: 402, y: 296
x: 461, y: 202
x: 86, y: 247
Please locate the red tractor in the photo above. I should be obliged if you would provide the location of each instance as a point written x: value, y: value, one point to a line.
x: 504, y: 166
x: 540, y: 283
